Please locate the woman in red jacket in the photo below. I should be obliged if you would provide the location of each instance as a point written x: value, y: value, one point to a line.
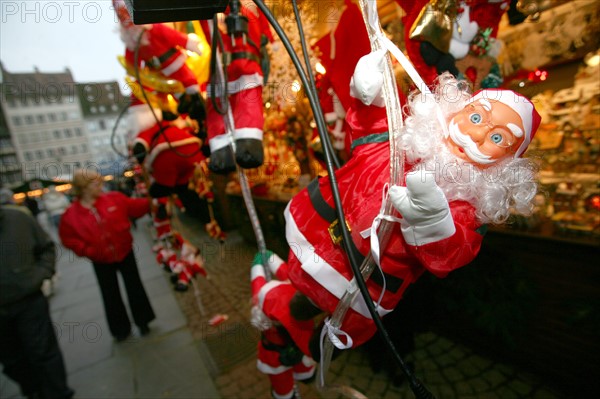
x: 97, y: 226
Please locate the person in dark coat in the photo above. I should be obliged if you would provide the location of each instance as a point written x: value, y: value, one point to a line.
x: 29, y: 350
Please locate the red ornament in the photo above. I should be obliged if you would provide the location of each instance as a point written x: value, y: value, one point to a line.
x: 471, y: 73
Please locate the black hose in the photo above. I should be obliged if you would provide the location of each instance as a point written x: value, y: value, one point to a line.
x: 114, y: 133
x: 216, y: 45
x: 418, y: 389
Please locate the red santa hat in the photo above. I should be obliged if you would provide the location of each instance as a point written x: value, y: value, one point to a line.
x: 521, y: 105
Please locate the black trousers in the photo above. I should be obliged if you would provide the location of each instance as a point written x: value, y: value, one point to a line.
x: 114, y: 307
x: 29, y: 351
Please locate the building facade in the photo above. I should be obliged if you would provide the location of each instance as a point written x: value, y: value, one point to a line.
x: 43, y: 117
x: 50, y: 125
x: 106, y: 123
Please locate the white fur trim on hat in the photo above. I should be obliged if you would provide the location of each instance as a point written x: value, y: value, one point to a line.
x: 521, y: 105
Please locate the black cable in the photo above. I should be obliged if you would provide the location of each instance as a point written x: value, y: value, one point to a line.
x: 311, y: 79
x: 114, y: 133
x: 418, y: 389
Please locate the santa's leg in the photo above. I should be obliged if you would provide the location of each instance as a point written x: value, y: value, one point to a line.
x: 247, y: 109
x: 183, y: 281
x: 305, y: 370
x: 222, y: 158
x: 282, y: 385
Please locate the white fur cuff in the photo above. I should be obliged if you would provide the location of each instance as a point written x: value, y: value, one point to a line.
x: 421, y: 235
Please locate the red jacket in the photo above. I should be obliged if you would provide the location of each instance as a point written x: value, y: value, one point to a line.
x: 103, y: 237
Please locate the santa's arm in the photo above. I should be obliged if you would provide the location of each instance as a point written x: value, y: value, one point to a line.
x: 458, y: 250
x: 441, y: 236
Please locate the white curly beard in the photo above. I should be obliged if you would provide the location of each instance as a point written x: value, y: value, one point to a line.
x: 506, y: 187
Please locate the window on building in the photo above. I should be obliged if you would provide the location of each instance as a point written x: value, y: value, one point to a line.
x: 68, y: 133
x: 5, y: 143
x: 28, y: 119
x: 102, y: 124
x: 41, y: 118
x: 78, y: 132
x: 63, y: 116
x: 62, y: 150
x: 52, y: 117
x: 44, y: 136
x: 39, y: 154
x: 28, y: 156
x: 73, y: 149
x: 56, y: 134
x: 51, y: 152
x: 17, y: 121
x: 84, y: 148
x: 91, y: 126
x: 73, y: 115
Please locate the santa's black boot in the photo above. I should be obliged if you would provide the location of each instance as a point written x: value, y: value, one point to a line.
x: 222, y: 161
x: 249, y: 153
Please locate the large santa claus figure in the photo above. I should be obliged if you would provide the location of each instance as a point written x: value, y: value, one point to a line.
x: 244, y: 83
x: 461, y: 175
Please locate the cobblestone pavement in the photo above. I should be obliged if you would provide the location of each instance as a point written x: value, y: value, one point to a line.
x: 448, y: 369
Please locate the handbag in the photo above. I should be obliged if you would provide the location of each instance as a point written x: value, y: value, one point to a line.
x: 434, y: 24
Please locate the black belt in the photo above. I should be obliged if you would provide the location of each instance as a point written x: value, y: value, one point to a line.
x: 239, y: 55
x: 157, y: 61
x: 392, y: 283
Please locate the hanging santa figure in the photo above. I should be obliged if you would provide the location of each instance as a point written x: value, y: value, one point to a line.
x: 170, y: 151
x: 163, y: 49
x: 243, y: 31
x: 464, y: 169
x: 279, y: 354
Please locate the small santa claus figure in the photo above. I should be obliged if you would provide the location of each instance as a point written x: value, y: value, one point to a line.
x: 187, y: 266
x: 163, y: 49
x: 284, y: 341
x: 465, y: 170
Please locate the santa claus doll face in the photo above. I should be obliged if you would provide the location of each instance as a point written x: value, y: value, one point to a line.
x: 484, y: 132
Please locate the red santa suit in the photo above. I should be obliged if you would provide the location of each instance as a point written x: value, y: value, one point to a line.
x: 171, y: 155
x: 284, y: 341
x: 244, y: 87
x: 319, y: 268
x: 160, y: 47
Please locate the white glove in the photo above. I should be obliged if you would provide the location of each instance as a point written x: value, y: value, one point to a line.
x: 424, y: 208
x: 367, y: 81
x: 193, y: 44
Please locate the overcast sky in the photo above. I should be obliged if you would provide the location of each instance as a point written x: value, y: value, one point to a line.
x: 52, y: 35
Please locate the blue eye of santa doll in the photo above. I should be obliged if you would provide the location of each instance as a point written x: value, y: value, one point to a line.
x: 496, y: 138
x: 475, y: 118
